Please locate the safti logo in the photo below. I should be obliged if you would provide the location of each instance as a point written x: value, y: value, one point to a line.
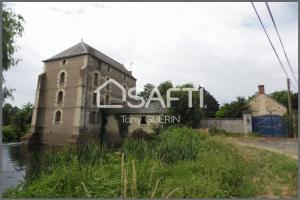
x: 154, y: 96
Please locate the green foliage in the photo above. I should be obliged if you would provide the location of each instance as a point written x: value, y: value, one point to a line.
x: 12, y: 28
x: 211, y: 105
x: 8, y: 112
x: 163, y: 87
x: 235, y: 109
x: 18, y: 119
x: 281, y: 97
x: 188, y: 116
x: 138, y: 148
x: 147, y: 90
x: 179, y: 144
x: 181, y: 163
x: 22, y: 119
x: 9, y: 133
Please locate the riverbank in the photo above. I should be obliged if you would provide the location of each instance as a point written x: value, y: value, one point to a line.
x: 180, y: 163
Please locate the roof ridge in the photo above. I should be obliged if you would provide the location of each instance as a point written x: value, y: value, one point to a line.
x: 83, y: 44
x: 82, y: 48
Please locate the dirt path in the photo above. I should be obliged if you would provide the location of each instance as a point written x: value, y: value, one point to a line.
x: 285, y: 146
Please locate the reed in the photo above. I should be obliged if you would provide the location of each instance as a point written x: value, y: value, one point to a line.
x: 125, y: 184
x: 151, y: 175
x: 133, y: 180
x: 155, y: 188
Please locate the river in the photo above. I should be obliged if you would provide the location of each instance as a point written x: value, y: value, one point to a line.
x: 13, y: 165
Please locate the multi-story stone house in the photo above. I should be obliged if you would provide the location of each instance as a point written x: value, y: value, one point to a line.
x: 65, y: 103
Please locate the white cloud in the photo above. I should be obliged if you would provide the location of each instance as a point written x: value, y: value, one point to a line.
x: 220, y: 45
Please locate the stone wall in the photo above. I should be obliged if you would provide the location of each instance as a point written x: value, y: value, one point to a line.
x: 233, y: 125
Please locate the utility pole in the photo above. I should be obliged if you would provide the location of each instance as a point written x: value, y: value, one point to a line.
x: 289, y: 97
x: 290, y: 112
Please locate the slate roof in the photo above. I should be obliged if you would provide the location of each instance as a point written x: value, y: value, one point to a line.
x: 154, y: 108
x: 82, y: 49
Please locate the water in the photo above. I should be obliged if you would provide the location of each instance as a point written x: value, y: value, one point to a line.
x: 13, y: 164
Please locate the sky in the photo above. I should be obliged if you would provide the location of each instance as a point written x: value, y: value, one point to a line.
x: 221, y: 46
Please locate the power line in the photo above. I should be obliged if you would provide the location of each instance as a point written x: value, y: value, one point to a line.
x: 288, y: 61
x: 286, y: 74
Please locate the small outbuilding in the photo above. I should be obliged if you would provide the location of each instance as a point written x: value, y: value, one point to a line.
x: 267, y: 115
x: 262, y: 104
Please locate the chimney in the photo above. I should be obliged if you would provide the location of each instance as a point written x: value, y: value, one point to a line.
x: 261, y: 89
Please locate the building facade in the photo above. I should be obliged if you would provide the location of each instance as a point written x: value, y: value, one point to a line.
x: 65, y: 108
x: 262, y: 104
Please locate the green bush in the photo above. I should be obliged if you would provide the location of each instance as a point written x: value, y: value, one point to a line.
x: 9, y: 133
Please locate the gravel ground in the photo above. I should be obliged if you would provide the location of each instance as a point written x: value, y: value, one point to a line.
x: 281, y: 145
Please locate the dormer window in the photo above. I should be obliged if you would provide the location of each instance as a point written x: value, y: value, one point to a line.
x: 108, y: 68
x: 124, y: 76
x: 64, y: 62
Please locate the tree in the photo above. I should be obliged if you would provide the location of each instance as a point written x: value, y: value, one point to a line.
x: 163, y: 87
x: 188, y: 116
x: 147, y: 90
x: 12, y: 27
x: 22, y: 119
x: 235, y: 109
x: 8, y: 112
x: 211, y: 105
x: 282, y: 97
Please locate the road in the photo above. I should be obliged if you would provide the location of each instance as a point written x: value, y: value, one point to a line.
x: 285, y: 146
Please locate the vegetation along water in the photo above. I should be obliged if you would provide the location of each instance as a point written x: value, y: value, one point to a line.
x: 179, y: 162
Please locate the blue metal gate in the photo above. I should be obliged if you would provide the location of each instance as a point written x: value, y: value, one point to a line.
x: 269, y: 125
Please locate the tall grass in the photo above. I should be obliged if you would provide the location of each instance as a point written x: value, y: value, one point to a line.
x: 179, y: 144
x: 46, y: 158
x: 180, y: 162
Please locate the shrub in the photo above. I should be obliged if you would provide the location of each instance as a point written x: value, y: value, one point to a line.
x: 9, y: 133
x: 141, y: 134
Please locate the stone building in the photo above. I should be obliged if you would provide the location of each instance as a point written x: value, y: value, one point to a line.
x: 262, y: 104
x: 65, y: 103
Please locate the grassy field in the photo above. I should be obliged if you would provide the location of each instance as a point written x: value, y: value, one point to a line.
x: 180, y: 162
